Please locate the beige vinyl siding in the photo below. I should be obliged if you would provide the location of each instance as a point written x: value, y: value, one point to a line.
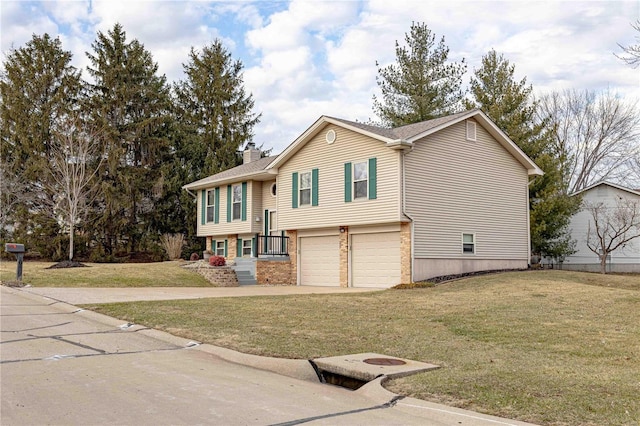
x: 255, y: 206
x: 457, y: 186
x: 268, y: 200
x: 235, y: 226
x: 329, y: 159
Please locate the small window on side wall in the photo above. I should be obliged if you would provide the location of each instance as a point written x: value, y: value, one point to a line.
x: 210, y: 206
x: 468, y: 243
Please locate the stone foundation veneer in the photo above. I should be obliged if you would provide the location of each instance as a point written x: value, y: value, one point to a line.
x: 218, y: 276
x: 405, y: 253
x: 293, y: 255
x: 344, y: 257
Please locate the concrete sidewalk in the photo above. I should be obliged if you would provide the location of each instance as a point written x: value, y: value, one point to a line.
x: 80, y: 296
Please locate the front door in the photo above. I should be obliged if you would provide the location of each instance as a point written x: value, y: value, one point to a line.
x: 273, y: 243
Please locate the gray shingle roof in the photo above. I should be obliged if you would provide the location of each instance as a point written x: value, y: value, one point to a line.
x: 238, y: 171
x: 404, y: 132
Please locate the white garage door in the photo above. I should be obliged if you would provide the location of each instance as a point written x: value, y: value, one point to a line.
x: 375, y: 259
x: 320, y: 261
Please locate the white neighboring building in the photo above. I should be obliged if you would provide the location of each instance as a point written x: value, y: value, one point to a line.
x: 624, y: 259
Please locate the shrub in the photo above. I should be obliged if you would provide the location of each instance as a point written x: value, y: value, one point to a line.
x: 172, y: 244
x: 217, y: 261
x: 194, y: 256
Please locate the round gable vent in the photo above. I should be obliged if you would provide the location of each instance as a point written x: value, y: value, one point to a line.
x: 331, y: 136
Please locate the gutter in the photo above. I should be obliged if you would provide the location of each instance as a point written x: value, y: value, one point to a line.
x: 195, y: 196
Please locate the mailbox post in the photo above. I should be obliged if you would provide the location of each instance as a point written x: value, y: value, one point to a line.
x: 18, y: 250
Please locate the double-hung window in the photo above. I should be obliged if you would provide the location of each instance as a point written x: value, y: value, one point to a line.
x: 305, y: 188
x: 237, y: 202
x: 211, y: 208
x: 246, y: 247
x: 220, y: 251
x: 360, y: 180
x: 468, y: 243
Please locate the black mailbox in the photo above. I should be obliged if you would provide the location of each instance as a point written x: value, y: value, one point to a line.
x: 18, y: 250
x: 14, y: 248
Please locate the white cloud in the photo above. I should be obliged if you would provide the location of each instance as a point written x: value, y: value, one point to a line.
x: 308, y: 58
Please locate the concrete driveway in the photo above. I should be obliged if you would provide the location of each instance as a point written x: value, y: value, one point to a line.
x: 62, y: 365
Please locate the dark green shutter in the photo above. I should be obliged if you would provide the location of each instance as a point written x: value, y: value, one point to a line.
x: 347, y: 182
x: 314, y: 187
x: 228, y: 203
x: 225, y: 247
x: 213, y: 247
x: 373, y: 180
x: 254, y: 247
x: 239, y: 248
x: 294, y: 190
x: 203, y: 208
x: 244, y: 201
x: 216, y: 214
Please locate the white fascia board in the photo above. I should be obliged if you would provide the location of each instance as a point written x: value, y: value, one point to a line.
x: 611, y: 184
x: 258, y: 176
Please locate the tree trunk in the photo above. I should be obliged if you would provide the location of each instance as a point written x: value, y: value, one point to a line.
x: 603, y: 263
x: 71, y: 232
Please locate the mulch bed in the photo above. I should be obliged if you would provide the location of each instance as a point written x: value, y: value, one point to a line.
x: 67, y: 264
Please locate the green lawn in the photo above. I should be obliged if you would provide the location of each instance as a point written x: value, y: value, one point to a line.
x: 549, y: 347
x: 161, y: 274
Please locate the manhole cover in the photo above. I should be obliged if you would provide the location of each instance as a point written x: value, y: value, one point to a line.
x: 384, y: 361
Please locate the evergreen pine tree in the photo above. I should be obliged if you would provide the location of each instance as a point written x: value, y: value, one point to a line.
x: 509, y: 104
x: 422, y: 84
x: 130, y: 102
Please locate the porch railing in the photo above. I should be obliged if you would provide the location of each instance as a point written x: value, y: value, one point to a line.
x: 272, y: 245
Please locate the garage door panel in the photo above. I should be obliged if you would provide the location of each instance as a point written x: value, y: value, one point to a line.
x: 375, y: 259
x: 320, y: 261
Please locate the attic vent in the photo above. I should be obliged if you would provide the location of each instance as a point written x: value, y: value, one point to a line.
x: 471, y: 130
x: 331, y: 136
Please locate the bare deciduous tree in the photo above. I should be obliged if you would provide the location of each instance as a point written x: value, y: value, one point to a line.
x: 595, y: 134
x: 632, y: 52
x: 612, y: 227
x: 75, y: 160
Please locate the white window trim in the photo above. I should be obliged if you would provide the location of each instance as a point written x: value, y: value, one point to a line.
x: 219, y: 246
x: 300, y: 188
x: 471, y: 129
x: 474, y: 243
x: 247, y: 243
x: 353, y: 180
x: 212, y: 206
x: 234, y: 202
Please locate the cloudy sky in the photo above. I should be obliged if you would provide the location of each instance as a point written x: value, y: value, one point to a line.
x: 306, y: 58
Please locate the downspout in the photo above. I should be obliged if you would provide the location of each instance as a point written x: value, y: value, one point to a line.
x: 404, y: 206
x: 529, y: 223
x: 191, y: 193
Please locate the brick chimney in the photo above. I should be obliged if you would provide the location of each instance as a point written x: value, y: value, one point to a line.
x: 251, y: 153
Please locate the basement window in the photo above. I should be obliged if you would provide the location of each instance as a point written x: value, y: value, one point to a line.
x: 468, y: 243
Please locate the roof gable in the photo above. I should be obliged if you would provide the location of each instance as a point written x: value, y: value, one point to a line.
x: 405, y: 136
x: 253, y: 169
x: 611, y: 184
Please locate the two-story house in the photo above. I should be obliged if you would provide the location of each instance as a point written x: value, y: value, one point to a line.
x: 349, y: 204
